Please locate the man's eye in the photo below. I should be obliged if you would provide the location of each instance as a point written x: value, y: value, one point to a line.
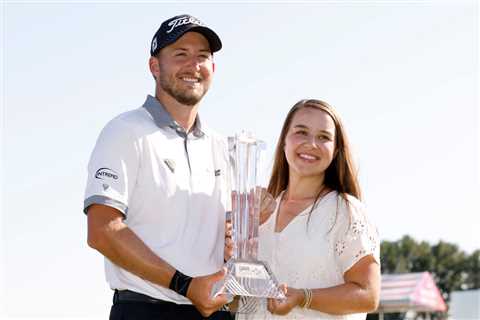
x: 180, y: 54
x: 204, y: 58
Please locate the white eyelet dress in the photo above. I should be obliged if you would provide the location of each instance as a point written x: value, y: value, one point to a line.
x: 317, y: 254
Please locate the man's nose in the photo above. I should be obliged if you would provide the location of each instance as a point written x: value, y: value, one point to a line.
x: 194, y: 62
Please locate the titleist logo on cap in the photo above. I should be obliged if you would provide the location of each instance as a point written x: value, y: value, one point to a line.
x: 182, y: 21
x: 172, y: 29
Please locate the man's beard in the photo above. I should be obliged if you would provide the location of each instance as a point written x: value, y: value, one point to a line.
x: 186, y: 97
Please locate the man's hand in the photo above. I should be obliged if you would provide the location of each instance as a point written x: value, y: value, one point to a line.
x: 228, y: 249
x: 199, y: 292
x: 267, y: 205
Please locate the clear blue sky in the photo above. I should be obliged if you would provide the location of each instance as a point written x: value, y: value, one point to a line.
x: 403, y: 74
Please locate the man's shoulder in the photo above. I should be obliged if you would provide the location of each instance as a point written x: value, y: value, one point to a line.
x: 131, y: 120
x: 132, y: 117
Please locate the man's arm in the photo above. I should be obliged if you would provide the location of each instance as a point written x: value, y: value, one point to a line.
x: 108, y: 234
x: 111, y: 237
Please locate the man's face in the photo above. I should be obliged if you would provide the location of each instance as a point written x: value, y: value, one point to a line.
x: 185, y: 69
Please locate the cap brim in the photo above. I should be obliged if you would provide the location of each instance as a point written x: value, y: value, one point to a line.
x: 212, y: 37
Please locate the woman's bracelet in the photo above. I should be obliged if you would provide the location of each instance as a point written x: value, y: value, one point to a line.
x: 307, y: 300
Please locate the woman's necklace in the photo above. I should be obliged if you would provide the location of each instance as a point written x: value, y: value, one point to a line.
x: 304, y: 199
x: 291, y: 208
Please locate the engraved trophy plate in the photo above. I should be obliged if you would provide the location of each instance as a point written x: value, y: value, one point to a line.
x: 246, y: 275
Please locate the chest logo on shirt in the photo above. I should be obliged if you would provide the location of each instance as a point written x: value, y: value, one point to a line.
x: 217, y: 172
x: 104, y: 173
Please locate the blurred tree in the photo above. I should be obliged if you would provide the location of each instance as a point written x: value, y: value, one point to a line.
x: 472, y: 267
x: 451, y: 268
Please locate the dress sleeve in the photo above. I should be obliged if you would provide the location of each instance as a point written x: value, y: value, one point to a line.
x: 113, y: 167
x: 355, y: 235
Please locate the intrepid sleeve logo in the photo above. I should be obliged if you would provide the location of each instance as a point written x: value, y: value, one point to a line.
x: 103, y: 173
x: 181, y: 21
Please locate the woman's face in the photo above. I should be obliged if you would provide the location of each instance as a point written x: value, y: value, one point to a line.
x: 310, y: 143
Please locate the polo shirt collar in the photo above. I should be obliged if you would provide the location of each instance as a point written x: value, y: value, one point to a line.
x: 163, y: 119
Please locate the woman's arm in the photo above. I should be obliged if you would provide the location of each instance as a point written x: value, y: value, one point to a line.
x: 360, y: 293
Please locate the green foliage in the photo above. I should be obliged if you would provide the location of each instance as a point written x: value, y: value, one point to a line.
x: 451, y: 267
x: 449, y: 271
x: 473, y: 276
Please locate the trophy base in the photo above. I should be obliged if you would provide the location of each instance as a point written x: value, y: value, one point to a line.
x: 249, y: 279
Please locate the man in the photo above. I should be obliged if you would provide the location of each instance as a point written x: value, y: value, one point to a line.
x: 156, y: 194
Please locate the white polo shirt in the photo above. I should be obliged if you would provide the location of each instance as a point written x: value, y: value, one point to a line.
x: 171, y: 188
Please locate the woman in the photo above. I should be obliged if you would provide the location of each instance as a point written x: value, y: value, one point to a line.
x: 318, y: 241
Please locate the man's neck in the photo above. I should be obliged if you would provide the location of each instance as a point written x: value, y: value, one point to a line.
x: 184, y: 115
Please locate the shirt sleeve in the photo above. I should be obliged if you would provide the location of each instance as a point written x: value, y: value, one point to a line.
x: 356, y: 236
x: 113, y: 167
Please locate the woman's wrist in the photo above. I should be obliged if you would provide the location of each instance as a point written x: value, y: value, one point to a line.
x: 298, y: 294
x: 307, y: 296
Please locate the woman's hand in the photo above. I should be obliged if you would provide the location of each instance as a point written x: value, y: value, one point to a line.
x: 282, y: 307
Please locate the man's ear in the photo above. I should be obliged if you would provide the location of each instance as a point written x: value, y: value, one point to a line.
x: 154, y: 67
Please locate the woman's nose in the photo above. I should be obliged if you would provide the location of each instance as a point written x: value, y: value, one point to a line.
x: 312, y: 140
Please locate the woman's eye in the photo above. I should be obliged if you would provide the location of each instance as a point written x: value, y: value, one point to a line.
x: 301, y: 132
x: 324, y: 138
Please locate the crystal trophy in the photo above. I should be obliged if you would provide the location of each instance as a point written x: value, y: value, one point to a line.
x: 246, y: 276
